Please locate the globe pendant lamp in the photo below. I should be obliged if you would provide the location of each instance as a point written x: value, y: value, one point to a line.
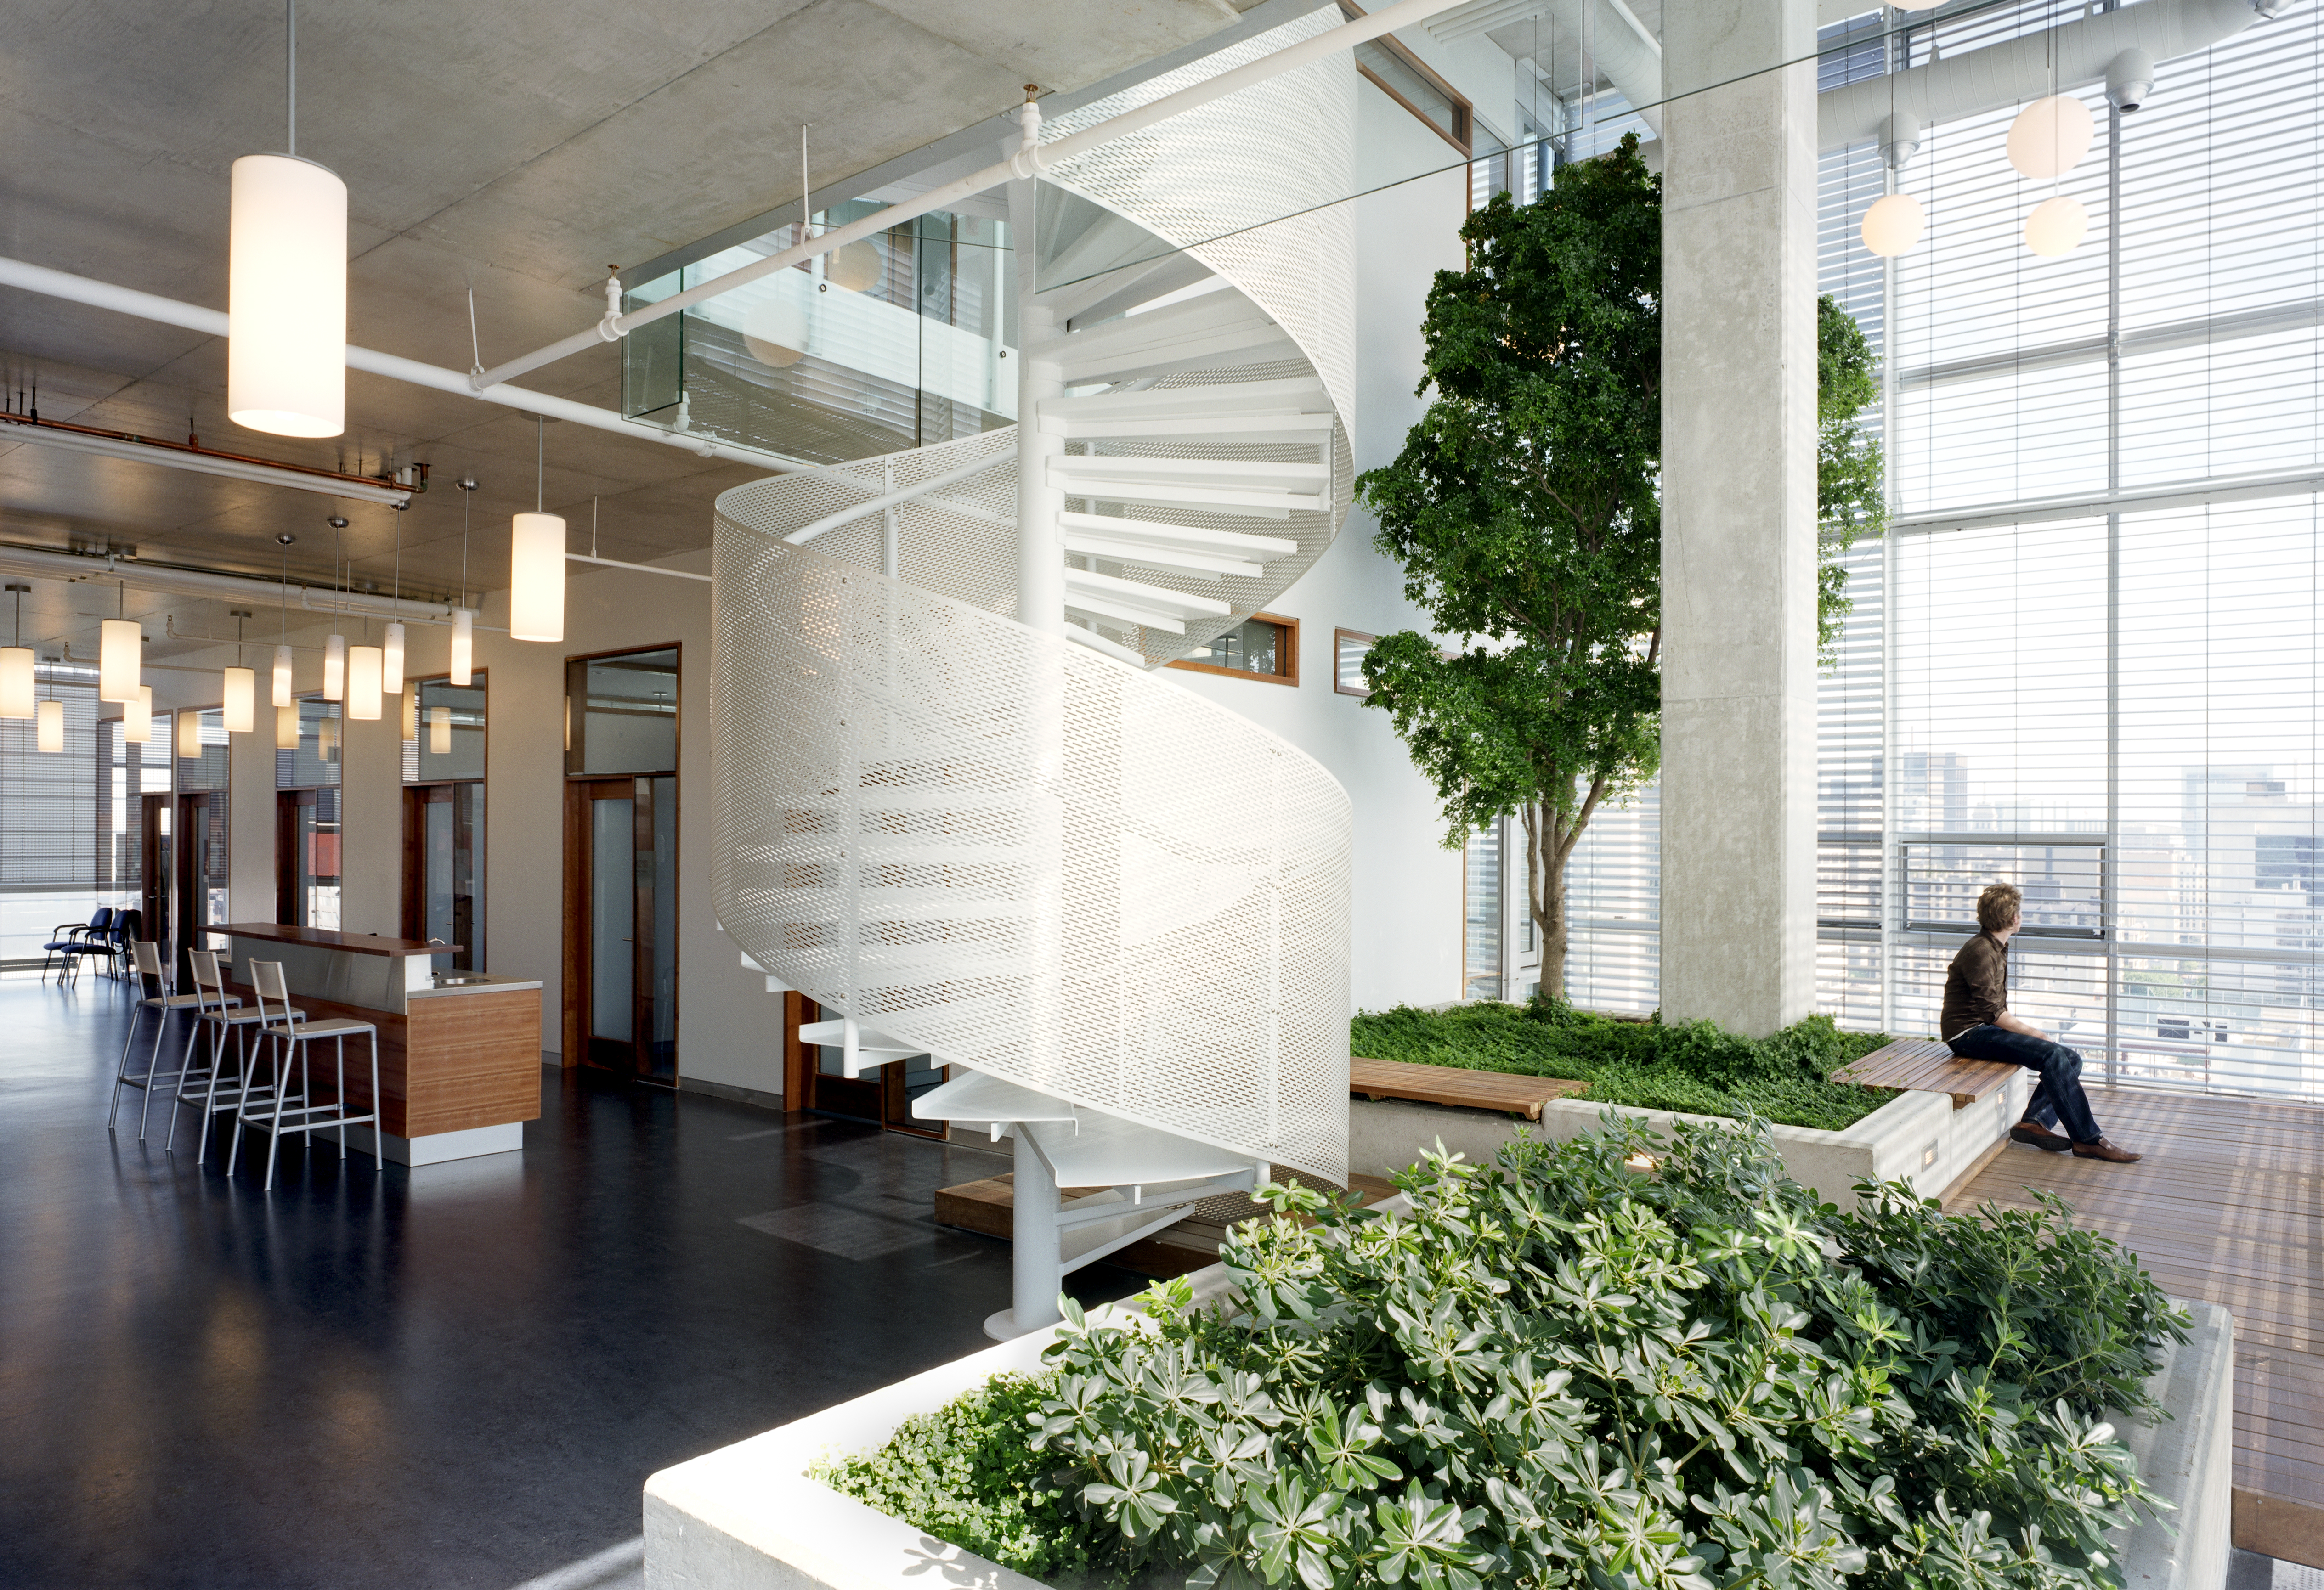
x: 390, y: 668
x: 463, y: 647
x: 286, y: 358
x: 439, y: 731
x: 2056, y: 227
x: 190, y: 733
x: 286, y: 726
x: 17, y: 688
x: 2050, y: 137
x: 1893, y: 225
x: 364, y: 684
x: 50, y: 725
x: 241, y: 700
x: 137, y: 717
x: 537, y: 565
x: 410, y: 715
x: 335, y: 668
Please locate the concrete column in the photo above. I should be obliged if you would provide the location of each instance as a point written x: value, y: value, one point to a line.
x: 1738, y: 513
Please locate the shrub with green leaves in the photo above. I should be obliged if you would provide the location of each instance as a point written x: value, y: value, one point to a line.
x: 1559, y: 1372
x: 1696, y: 1068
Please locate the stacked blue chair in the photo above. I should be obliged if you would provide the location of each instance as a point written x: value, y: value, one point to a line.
x: 74, y: 940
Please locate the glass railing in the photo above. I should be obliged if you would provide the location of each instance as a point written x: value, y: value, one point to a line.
x: 894, y: 342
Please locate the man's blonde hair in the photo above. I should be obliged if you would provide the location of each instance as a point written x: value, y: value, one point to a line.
x: 1999, y: 907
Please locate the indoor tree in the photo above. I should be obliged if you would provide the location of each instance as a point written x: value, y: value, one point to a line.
x: 1525, y: 507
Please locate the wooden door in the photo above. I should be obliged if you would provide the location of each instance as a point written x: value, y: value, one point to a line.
x: 621, y: 925
x: 157, y: 873
x: 199, y: 868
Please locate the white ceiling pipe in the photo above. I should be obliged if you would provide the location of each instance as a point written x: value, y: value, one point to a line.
x: 146, y: 305
x: 33, y: 562
x: 2017, y: 71
x: 1630, y: 57
x: 1318, y: 47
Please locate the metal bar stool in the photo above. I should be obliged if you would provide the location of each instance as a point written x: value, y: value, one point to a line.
x: 146, y: 958
x: 301, y: 1113
x: 216, y: 1018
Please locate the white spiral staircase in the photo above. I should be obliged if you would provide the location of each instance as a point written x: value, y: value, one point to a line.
x: 957, y: 809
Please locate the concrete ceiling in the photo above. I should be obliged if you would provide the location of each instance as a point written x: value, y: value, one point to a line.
x: 517, y: 148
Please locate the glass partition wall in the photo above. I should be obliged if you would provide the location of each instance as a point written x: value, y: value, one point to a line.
x: 307, y: 820
x: 444, y: 820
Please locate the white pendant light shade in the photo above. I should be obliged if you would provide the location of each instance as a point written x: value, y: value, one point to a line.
x: 536, y: 577
x: 326, y: 740
x: 120, y: 659
x: 335, y: 668
x: 286, y: 726
x: 2056, y: 227
x: 241, y: 700
x: 363, y: 683
x: 439, y: 731
x: 16, y: 689
x: 463, y: 647
x: 286, y: 357
x: 390, y: 668
x: 410, y: 714
x: 281, y: 675
x: 775, y: 328
x: 856, y: 267
x: 50, y: 725
x: 1893, y: 224
x: 137, y: 717
x: 2050, y: 137
x: 190, y: 733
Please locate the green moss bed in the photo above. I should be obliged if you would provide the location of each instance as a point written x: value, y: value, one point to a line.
x: 1695, y: 1066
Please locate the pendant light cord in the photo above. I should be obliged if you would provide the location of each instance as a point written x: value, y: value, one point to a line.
x: 539, y: 452
x: 290, y: 77
x: 467, y: 495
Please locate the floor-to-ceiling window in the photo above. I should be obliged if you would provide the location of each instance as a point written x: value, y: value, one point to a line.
x: 307, y: 835
x: 58, y: 862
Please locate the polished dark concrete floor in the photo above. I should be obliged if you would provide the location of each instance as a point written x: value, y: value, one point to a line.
x: 453, y: 1377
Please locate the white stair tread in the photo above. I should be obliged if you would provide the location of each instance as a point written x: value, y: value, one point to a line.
x: 1211, y: 317
x: 1259, y: 548
x: 982, y: 1100
x: 1230, y: 345
x: 1211, y: 563
x: 1122, y: 613
x: 1238, y: 431
x: 1084, y: 581
x: 1111, y: 1152
x: 1245, y: 502
x: 1297, y: 394
x: 1266, y: 474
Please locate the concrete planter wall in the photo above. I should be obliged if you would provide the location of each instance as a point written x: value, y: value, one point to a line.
x: 1916, y: 1137
x: 747, y: 1517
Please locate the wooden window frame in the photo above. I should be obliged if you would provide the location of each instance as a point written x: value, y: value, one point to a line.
x: 1286, y: 647
x: 1337, y: 637
x: 1464, y: 115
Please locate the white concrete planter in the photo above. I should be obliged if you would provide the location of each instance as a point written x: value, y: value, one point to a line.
x: 1916, y: 1137
x: 747, y: 1517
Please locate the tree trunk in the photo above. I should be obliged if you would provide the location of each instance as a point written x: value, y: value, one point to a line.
x: 1548, y: 846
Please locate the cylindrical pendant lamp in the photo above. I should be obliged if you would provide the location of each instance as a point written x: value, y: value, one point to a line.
x: 464, y: 646
x: 286, y: 726
x: 363, y: 683
x: 137, y: 717
x: 120, y: 659
x: 190, y: 732
x: 241, y: 700
x: 536, y: 577
x: 281, y: 675
x: 411, y: 715
x: 286, y: 358
x: 391, y: 668
x: 16, y: 689
x: 50, y: 725
x: 439, y: 731
x: 335, y: 668
x: 326, y: 740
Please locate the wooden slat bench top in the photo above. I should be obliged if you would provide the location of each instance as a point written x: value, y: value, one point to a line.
x: 1927, y: 1066
x: 1458, y: 1085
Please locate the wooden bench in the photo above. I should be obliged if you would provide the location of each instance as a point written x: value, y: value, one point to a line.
x: 1458, y: 1085
x: 1927, y: 1066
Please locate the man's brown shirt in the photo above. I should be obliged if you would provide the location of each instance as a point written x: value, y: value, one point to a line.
x: 1976, y: 986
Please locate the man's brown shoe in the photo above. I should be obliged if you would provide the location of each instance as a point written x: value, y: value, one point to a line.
x: 2104, y: 1149
x: 2040, y: 1136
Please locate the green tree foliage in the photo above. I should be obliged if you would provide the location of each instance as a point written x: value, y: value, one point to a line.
x: 1525, y: 507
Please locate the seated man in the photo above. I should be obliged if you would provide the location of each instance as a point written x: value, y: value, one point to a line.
x: 1977, y: 1026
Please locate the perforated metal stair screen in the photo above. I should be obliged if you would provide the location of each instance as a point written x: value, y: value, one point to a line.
x: 998, y: 845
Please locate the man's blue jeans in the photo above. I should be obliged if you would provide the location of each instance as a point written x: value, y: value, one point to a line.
x: 2058, y: 1096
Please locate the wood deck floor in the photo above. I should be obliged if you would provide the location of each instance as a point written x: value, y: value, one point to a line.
x: 2228, y: 1206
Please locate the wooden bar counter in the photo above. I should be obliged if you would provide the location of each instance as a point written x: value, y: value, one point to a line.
x: 459, y: 1059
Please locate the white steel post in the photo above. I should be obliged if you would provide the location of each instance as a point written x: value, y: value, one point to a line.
x: 1037, y: 1266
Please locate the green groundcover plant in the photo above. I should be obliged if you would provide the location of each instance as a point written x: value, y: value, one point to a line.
x: 1694, y: 1066
x: 1559, y: 1372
